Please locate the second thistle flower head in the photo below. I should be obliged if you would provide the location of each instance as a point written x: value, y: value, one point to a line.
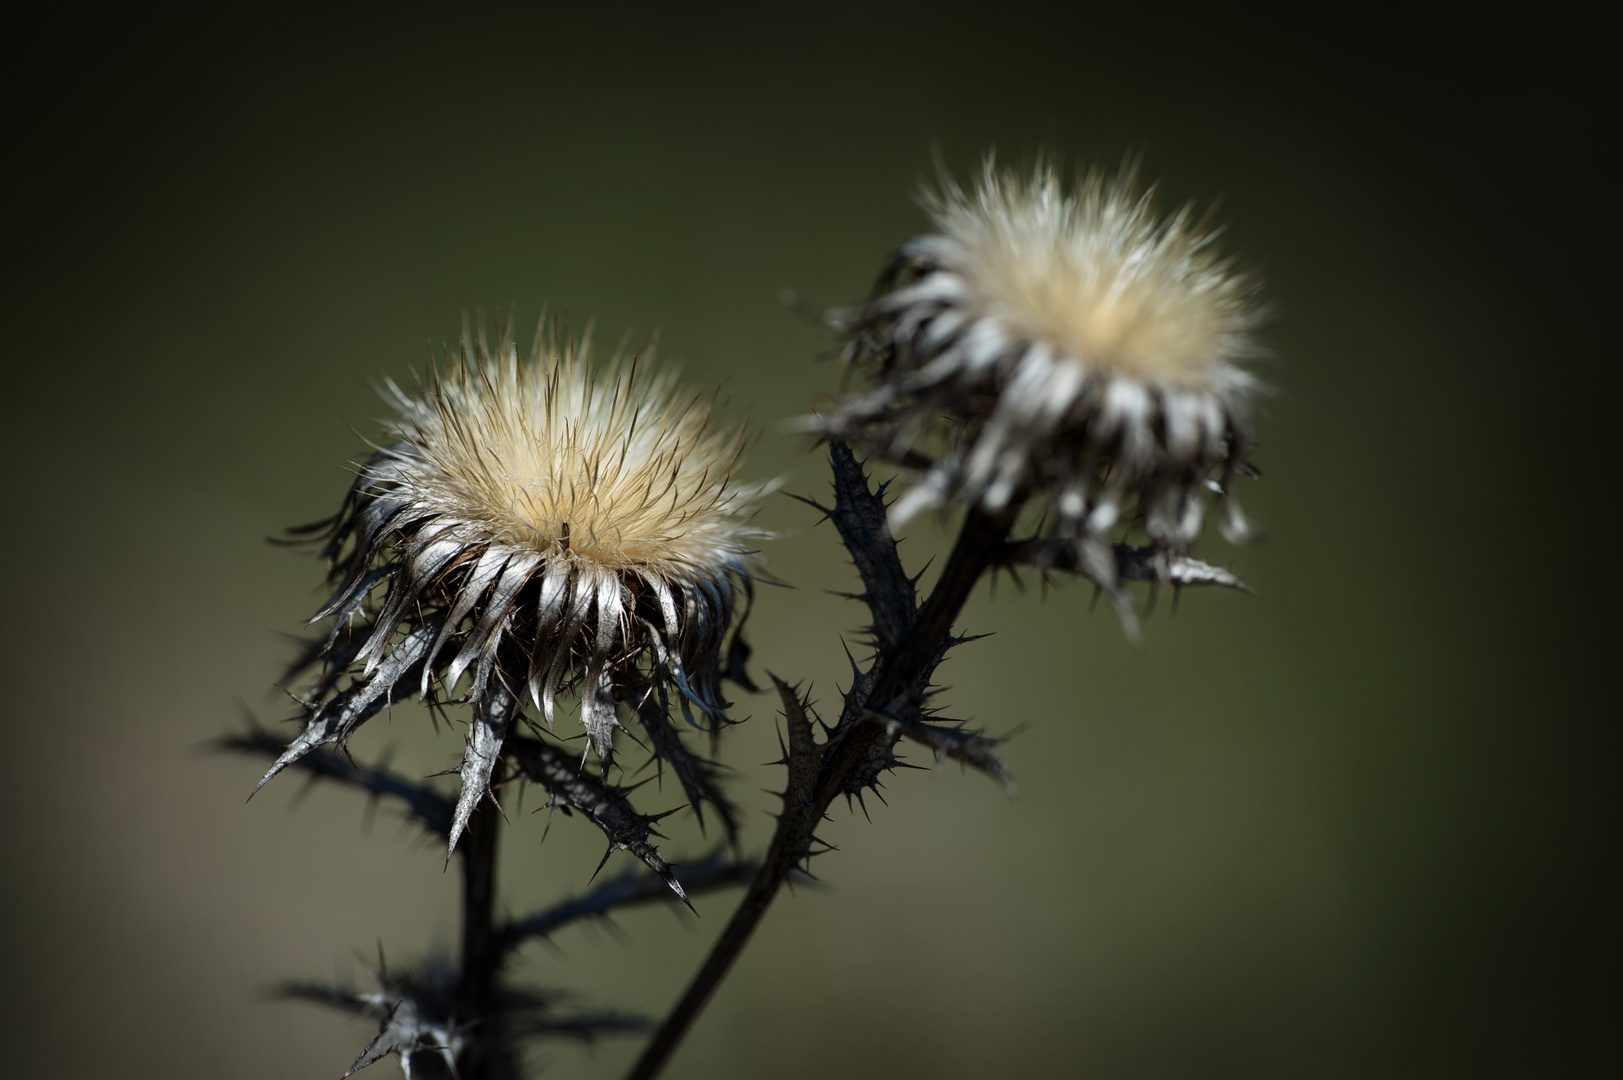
x: 542, y: 528
x: 1060, y: 344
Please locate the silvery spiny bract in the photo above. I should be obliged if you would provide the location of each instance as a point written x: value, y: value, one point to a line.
x: 1062, y: 347
x: 534, y: 528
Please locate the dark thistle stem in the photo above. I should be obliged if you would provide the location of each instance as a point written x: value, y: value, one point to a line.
x: 845, y: 765
x: 481, y: 947
x: 774, y: 871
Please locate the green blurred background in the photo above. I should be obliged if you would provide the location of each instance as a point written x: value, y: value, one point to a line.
x: 1356, y: 828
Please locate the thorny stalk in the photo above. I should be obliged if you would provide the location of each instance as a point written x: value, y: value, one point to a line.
x: 911, y: 642
x: 481, y: 942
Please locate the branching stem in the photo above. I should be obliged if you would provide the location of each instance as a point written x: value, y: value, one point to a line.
x: 902, y: 672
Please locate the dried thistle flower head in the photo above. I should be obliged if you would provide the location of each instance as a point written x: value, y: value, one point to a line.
x: 544, y: 528
x: 1060, y: 346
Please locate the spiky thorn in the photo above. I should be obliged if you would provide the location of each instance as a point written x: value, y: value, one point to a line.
x: 970, y: 747
x: 629, y: 889
x: 560, y: 774
x: 696, y: 774
x: 423, y: 804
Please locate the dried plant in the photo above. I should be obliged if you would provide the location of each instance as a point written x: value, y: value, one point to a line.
x: 1059, y: 365
x: 1067, y: 350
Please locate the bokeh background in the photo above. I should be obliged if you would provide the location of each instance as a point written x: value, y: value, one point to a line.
x: 1356, y: 828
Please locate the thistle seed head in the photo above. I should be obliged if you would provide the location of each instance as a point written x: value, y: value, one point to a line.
x: 613, y: 471
x: 1060, y: 347
x: 542, y: 527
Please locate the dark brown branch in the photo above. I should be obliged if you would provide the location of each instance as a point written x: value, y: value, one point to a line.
x: 481, y: 953
x: 786, y: 853
x: 630, y: 889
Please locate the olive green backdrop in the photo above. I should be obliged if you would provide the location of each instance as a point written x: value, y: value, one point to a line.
x: 1349, y: 829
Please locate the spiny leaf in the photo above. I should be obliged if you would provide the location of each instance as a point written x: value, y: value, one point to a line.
x: 696, y: 775
x: 430, y: 808
x: 860, y: 516
x: 1108, y: 567
x: 564, y: 779
x: 1138, y: 564
x: 802, y: 748
x: 800, y: 814
x: 969, y: 747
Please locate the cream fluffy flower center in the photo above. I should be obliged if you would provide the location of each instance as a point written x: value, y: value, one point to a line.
x: 617, y: 469
x: 1097, y: 277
